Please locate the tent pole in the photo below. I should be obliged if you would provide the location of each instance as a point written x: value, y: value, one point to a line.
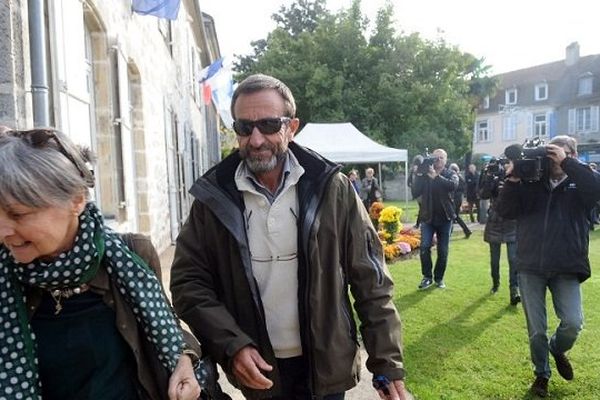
x: 380, y: 179
x: 406, y: 182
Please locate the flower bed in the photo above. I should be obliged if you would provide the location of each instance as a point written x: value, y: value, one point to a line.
x: 398, y: 242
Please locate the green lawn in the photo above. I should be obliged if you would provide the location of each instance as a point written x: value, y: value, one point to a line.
x: 463, y: 343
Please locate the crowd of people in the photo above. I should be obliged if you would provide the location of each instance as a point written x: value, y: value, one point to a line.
x: 276, y: 240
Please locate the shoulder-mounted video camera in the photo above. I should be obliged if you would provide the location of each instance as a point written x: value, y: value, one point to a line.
x: 530, y: 161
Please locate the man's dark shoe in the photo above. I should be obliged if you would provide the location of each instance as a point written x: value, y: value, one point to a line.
x: 468, y: 234
x: 494, y: 289
x: 540, y: 386
x: 425, y: 283
x: 563, y: 365
x: 440, y: 284
x: 515, y: 296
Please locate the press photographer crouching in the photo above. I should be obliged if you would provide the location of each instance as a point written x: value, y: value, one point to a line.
x: 499, y: 230
x: 552, y: 214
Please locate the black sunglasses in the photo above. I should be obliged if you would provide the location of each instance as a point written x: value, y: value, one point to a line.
x: 268, y: 126
x: 41, y: 137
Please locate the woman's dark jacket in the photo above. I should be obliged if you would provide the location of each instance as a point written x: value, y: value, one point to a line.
x: 215, y: 293
x: 152, y: 376
x: 497, y: 229
x: 553, y: 225
x: 441, y: 189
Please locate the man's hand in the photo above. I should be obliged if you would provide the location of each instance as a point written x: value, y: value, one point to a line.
x: 509, y: 169
x: 556, y: 153
x: 396, y: 391
x: 432, y: 173
x: 247, y: 366
x: 182, y: 383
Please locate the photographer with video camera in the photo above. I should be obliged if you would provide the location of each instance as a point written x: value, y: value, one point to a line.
x: 436, y: 185
x: 551, y: 198
x: 499, y: 230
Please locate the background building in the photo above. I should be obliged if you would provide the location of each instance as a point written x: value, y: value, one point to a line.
x: 125, y: 85
x: 552, y: 99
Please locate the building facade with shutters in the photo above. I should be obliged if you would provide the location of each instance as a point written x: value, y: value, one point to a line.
x: 125, y: 85
x: 552, y: 99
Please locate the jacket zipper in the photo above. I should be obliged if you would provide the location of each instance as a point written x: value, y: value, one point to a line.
x: 547, y: 213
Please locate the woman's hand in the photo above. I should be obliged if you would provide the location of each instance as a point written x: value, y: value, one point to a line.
x: 182, y: 383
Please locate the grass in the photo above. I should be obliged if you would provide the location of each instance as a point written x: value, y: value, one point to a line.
x: 463, y: 343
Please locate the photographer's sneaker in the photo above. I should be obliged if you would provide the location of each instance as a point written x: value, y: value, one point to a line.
x: 540, y: 386
x: 425, y: 283
x: 440, y: 284
x: 563, y: 365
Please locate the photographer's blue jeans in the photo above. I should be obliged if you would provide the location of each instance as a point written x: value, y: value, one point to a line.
x: 566, y: 297
x: 511, y: 250
x: 442, y: 233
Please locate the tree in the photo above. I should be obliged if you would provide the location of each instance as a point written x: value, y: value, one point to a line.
x: 399, y: 89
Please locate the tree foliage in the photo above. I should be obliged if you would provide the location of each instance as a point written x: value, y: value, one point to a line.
x: 400, y: 89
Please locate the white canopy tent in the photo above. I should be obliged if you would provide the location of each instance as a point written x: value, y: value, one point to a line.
x: 343, y: 143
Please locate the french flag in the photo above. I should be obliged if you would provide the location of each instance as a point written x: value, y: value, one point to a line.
x: 217, y: 86
x: 207, y: 79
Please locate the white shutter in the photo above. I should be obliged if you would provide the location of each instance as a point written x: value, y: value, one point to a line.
x: 530, y: 122
x: 594, y: 117
x: 490, y: 130
x: 128, y: 147
x: 572, y: 122
x: 475, y: 138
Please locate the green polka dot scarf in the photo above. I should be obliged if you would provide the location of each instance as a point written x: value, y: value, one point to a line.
x: 133, y: 278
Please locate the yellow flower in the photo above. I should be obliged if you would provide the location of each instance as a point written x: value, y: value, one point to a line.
x: 390, y: 214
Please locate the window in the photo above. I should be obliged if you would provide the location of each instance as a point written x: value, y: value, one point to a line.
x: 510, y: 96
x: 483, y: 133
x: 540, y: 125
x: 486, y: 103
x: 585, y: 86
x: 509, y: 127
x: 584, y: 119
x: 541, y: 91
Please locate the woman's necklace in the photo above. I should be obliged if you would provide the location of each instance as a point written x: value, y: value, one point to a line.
x: 59, y: 294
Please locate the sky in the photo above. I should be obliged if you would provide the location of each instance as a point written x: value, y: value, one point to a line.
x: 508, y: 34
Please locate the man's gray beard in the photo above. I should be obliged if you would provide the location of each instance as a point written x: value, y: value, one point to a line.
x: 258, y: 166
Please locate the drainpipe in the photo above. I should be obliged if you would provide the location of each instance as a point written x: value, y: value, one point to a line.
x: 37, y: 54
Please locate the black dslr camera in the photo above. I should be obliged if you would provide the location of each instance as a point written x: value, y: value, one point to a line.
x: 530, y: 161
x: 428, y: 161
x: 495, y: 167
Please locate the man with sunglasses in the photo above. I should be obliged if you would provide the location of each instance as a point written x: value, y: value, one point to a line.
x: 275, y: 240
x: 553, y: 223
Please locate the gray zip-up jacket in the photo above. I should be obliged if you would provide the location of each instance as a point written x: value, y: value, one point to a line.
x: 215, y: 293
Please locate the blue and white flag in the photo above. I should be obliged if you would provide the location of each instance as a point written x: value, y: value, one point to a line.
x: 159, y: 8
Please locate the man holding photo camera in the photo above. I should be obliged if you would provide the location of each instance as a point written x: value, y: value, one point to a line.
x: 552, y: 214
x: 436, y: 185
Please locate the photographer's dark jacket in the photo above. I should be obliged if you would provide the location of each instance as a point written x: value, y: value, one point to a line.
x: 553, y: 225
x: 437, y: 196
x: 215, y: 292
x: 497, y: 229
